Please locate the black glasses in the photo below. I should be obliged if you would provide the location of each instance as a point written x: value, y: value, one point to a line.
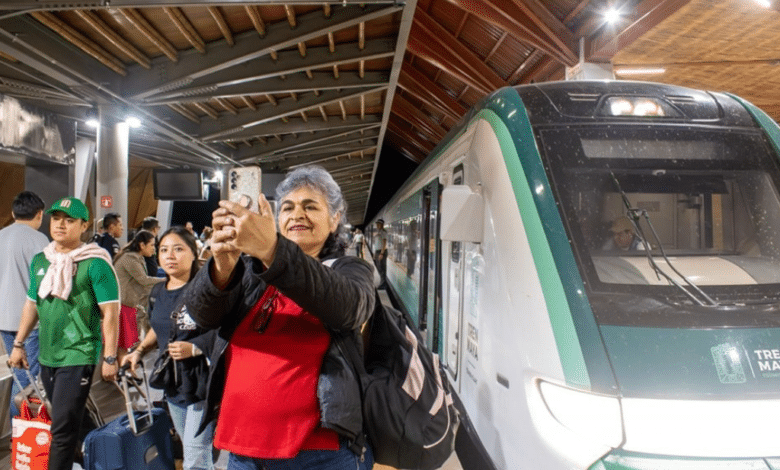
x: 263, y: 317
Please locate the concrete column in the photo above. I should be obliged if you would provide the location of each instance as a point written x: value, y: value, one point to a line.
x: 113, y: 139
x: 85, y: 163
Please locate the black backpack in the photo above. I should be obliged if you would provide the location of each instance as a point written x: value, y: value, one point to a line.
x: 408, y: 412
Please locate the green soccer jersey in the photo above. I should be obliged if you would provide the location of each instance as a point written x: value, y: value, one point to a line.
x: 70, y: 332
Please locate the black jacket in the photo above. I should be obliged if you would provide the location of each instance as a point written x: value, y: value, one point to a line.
x: 341, y: 296
x: 110, y: 244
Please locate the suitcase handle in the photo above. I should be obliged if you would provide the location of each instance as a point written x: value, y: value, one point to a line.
x: 125, y: 388
x: 41, y: 394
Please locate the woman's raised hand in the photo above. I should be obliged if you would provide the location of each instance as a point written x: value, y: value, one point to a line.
x: 248, y: 232
x: 223, y: 251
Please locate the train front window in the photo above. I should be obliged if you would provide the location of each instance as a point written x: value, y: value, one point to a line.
x: 646, y: 206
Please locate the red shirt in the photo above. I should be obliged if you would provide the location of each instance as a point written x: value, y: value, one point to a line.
x: 269, y: 407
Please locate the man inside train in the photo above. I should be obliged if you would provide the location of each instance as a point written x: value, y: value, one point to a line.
x: 623, y: 238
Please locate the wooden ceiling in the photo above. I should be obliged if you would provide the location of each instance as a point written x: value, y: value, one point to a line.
x: 723, y: 45
x: 345, y: 84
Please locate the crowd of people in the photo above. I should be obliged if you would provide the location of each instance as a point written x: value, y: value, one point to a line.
x: 246, y: 312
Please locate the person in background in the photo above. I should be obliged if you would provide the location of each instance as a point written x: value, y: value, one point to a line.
x: 205, y: 251
x: 190, y: 228
x: 276, y: 305
x: 188, y: 225
x: 151, y: 224
x: 20, y: 241
x: 72, y: 287
x: 134, y: 285
x: 379, y: 242
x: 358, y: 242
x: 113, y: 228
x: 190, y: 347
x: 99, y: 231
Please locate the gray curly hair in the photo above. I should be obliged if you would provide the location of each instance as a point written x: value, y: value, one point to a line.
x: 317, y: 178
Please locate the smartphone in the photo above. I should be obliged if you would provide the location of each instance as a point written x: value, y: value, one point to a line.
x: 244, y: 186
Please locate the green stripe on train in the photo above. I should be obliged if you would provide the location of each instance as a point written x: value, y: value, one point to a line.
x: 566, y: 338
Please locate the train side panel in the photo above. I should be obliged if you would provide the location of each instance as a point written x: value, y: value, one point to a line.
x: 507, y: 336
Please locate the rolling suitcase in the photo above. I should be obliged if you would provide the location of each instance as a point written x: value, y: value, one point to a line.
x: 138, y: 440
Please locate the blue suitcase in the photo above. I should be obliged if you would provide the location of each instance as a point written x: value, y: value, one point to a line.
x: 144, y: 442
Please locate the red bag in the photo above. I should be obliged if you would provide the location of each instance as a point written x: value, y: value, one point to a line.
x: 31, y: 439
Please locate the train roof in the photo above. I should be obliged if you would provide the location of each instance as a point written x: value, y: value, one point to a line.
x: 582, y: 102
x: 565, y: 102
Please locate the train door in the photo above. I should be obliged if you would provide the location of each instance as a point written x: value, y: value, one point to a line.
x: 454, y: 268
x: 430, y: 279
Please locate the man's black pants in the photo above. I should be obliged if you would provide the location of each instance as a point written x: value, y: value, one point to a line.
x: 67, y: 389
x: 381, y: 266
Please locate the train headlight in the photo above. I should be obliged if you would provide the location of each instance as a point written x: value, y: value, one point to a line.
x: 588, y: 415
x: 637, y: 106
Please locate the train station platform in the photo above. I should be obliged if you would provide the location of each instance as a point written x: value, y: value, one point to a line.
x: 111, y: 405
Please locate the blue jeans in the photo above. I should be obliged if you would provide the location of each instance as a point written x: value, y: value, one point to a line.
x: 31, y: 347
x: 342, y: 459
x: 197, y: 449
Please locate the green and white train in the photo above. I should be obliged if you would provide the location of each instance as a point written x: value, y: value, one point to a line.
x: 567, y: 355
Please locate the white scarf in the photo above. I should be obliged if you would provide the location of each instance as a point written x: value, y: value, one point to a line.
x: 58, y: 280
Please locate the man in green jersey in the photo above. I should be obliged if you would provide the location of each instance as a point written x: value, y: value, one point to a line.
x: 73, y: 287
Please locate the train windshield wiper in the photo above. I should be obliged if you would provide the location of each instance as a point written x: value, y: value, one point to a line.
x: 634, y: 215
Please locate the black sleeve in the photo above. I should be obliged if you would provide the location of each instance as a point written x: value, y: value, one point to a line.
x: 342, y: 296
x: 206, y: 303
x: 205, y: 342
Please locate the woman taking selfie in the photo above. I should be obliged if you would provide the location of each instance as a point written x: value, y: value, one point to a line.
x: 288, y: 398
x: 174, y: 330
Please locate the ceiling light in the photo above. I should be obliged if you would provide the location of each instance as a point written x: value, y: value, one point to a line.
x: 640, y: 71
x: 764, y: 3
x: 92, y: 119
x: 133, y: 122
x: 612, y: 15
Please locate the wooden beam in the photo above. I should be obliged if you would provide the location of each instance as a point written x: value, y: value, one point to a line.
x: 111, y: 36
x: 506, y: 15
x: 429, y: 34
x: 290, y: 11
x: 80, y: 41
x: 186, y: 28
x: 144, y: 27
x: 185, y: 112
x: 207, y: 109
x: 576, y: 11
x: 422, y: 49
x: 549, y: 27
x: 254, y: 14
x: 222, y: 25
x: 402, y: 126
x: 409, y: 146
x: 414, y: 82
x: 417, y: 118
x: 543, y: 69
